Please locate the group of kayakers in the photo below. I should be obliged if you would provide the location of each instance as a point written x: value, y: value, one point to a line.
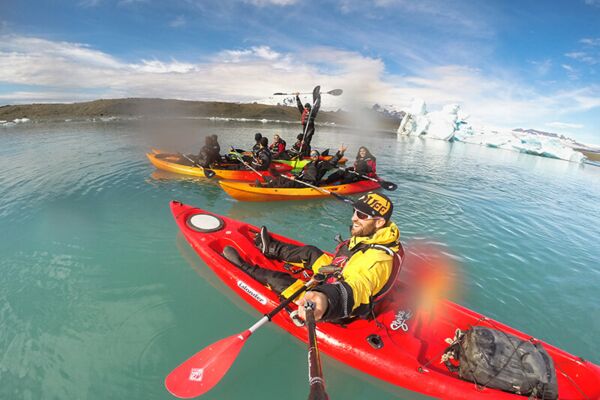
x: 262, y: 154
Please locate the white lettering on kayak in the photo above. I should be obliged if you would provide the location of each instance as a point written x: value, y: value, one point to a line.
x: 400, y: 319
x: 253, y: 293
x: 196, y: 374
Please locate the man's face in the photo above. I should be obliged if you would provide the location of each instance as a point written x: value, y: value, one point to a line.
x: 364, y: 225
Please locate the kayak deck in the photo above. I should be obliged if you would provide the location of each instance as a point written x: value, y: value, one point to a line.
x: 178, y: 164
x: 412, y: 340
x: 246, y: 191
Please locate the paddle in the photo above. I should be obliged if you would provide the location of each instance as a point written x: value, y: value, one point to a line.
x: 384, y: 184
x: 239, y: 157
x: 201, y: 372
x: 334, y: 92
x: 315, y: 372
x: 207, y: 172
x: 315, y: 93
x: 345, y: 199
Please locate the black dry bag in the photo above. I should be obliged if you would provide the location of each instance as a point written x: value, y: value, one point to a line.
x: 495, y: 359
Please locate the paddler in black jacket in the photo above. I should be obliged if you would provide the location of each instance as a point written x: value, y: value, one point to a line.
x: 366, y: 264
x: 262, y: 157
x: 308, y: 114
x: 210, y: 152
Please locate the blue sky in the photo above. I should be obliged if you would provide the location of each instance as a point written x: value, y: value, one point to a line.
x: 531, y: 64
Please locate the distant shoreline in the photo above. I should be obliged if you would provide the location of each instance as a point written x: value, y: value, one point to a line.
x: 136, y: 107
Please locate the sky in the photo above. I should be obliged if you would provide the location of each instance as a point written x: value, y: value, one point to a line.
x: 509, y: 64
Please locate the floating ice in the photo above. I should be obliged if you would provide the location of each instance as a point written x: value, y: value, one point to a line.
x: 451, y: 124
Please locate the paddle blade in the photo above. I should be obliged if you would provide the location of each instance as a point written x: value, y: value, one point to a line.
x: 388, y: 185
x: 335, y: 92
x: 201, y: 372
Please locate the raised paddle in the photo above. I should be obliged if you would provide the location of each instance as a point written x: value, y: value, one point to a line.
x: 345, y: 199
x: 201, y: 372
x: 384, y: 184
x: 315, y: 372
x: 334, y: 92
x: 316, y: 92
x: 207, y: 172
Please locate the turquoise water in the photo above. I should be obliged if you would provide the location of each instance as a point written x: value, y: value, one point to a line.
x: 100, y: 298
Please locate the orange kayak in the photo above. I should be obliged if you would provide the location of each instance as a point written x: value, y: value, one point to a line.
x: 247, y: 191
x: 178, y: 164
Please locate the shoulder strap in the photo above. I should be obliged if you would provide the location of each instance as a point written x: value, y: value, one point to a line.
x: 396, y: 268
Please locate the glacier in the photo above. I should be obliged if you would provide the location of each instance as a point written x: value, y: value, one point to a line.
x: 451, y: 124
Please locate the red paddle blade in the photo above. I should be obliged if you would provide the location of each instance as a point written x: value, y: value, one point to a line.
x: 199, y: 373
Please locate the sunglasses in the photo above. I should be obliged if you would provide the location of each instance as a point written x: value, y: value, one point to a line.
x: 363, y: 216
x: 314, y: 155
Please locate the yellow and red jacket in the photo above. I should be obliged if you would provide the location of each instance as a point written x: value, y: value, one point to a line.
x: 367, y: 263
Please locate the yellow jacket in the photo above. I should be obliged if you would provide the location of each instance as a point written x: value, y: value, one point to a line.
x: 364, y: 274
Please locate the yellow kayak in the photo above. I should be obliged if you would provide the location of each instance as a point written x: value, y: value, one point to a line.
x: 179, y: 164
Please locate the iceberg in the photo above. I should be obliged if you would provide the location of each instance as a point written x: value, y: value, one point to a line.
x: 451, y: 124
x: 436, y: 125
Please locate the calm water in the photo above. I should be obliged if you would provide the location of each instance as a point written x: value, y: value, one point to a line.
x: 100, y: 298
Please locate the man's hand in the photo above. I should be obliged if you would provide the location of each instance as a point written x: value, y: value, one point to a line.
x: 343, y: 149
x: 321, y: 304
x: 297, y: 94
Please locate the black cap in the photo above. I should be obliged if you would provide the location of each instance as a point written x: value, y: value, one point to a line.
x: 257, y: 136
x: 300, y: 135
x: 307, y: 105
x: 375, y: 205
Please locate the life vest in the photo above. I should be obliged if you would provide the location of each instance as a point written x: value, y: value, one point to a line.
x: 305, y: 114
x: 366, y: 166
x: 278, y: 147
x: 343, y: 254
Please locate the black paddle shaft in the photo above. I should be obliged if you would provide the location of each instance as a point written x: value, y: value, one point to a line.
x: 315, y: 372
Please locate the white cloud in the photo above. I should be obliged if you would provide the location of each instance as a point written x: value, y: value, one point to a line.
x: 582, y: 56
x: 75, y: 72
x: 264, y: 53
x: 590, y: 41
x: 178, y: 22
x: 160, y: 67
x: 595, y: 3
x: 263, y: 3
x: 564, y: 125
x: 542, y: 67
x: 89, y: 3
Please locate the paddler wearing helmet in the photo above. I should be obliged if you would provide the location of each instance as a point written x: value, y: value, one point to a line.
x: 365, y: 263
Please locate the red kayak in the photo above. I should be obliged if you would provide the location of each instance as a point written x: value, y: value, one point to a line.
x: 400, y: 346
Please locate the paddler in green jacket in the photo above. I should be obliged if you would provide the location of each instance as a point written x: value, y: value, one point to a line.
x: 365, y: 261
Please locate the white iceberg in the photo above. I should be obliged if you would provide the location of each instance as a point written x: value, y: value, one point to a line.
x: 523, y: 142
x: 436, y: 125
x: 451, y: 124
